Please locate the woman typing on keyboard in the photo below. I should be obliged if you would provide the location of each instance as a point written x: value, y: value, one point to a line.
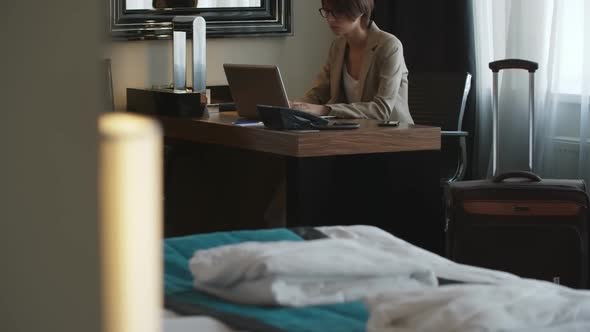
x: 365, y: 75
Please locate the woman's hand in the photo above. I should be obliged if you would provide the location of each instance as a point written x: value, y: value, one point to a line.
x: 311, y: 108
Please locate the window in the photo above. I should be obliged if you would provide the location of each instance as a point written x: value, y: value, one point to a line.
x: 569, y: 60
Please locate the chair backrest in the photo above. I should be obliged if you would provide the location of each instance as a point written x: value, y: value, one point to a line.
x: 438, y: 98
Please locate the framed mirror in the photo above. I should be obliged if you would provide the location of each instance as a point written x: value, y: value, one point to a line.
x: 152, y: 19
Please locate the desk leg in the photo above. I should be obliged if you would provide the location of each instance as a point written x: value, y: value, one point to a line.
x: 309, y: 188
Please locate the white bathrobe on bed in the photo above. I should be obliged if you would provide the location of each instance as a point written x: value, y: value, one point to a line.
x: 300, y: 273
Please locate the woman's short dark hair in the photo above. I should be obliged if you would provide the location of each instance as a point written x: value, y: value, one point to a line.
x: 352, y: 8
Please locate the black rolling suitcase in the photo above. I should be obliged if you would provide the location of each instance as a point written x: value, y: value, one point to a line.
x: 518, y: 222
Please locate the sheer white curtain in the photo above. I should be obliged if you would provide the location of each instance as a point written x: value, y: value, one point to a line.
x: 556, y: 34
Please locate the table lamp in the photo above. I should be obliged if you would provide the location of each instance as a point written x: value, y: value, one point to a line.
x: 130, y: 184
x: 178, y: 100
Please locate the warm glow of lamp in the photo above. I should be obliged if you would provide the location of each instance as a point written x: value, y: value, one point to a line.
x: 131, y: 222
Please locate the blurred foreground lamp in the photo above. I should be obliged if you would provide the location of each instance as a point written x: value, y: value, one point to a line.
x: 131, y: 222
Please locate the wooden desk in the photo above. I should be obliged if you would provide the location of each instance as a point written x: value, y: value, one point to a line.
x: 227, y: 177
x: 217, y: 128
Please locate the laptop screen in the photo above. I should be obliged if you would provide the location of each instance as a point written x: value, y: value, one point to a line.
x: 252, y: 85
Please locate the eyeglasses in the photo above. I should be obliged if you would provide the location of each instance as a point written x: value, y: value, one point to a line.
x: 325, y: 12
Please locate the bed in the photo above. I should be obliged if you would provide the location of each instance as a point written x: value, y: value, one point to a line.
x: 190, y: 310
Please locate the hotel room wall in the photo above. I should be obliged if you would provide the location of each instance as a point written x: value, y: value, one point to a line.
x: 48, y: 183
x: 300, y: 57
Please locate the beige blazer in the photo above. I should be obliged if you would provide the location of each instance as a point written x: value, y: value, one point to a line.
x: 383, y: 81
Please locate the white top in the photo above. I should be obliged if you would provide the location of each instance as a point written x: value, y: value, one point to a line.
x: 351, y: 86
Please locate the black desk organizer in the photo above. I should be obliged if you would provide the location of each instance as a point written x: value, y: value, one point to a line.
x: 166, y: 102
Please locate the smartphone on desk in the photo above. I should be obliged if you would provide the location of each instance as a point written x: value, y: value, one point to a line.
x: 388, y: 123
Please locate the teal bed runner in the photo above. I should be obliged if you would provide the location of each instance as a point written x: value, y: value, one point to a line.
x: 184, y: 299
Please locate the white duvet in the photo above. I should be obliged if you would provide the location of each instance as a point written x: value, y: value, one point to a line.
x: 498, y: 302
x: 524, y: 305
x: 440, y: 266
x: 396, y: 279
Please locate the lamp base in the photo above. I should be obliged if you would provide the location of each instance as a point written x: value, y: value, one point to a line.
x: 166, y: 102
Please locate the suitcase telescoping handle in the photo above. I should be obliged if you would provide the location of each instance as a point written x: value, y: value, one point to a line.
x: 496, y: 67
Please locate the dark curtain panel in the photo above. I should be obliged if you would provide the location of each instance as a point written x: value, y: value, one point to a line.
x: 435, y: 33
x: 437, y: 36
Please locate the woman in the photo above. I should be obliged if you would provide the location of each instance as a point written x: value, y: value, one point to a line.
x: 365, y: 75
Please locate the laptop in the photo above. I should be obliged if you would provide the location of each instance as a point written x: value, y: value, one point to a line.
x: 252, y: 85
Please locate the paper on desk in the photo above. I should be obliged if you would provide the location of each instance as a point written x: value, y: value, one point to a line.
x: 248, y: 123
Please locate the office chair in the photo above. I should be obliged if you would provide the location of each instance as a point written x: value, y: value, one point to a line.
x: 439, y: 99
